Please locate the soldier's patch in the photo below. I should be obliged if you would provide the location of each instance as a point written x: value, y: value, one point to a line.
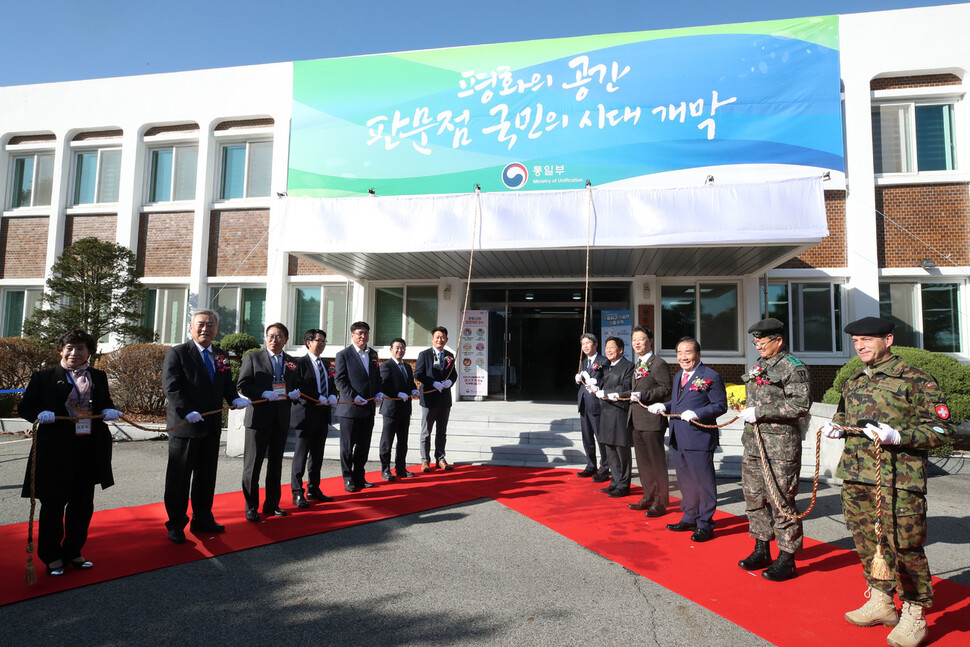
x: 794, y: 360
x: 943, y: 412
x: 939, y: 430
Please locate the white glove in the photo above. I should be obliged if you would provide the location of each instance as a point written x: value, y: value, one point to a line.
x: 111, y: 414
x: 359, y: 400
x: 193, y: 417
x: 579, y: 378
x: 402, y: 396
x: 378, y: 398
x: 585, y: 375
x: 241, y: 403
x: 747, y: 415
x: 887, y: 435
x: 415, y: 393
x: 831, y: 431
x: 635, y: 396
x: 447, y: 384
x: 46, y: 417
x: 688, y: 415
x: 332, y: 400
x: 657, y: 408
x: 270, y: 395
x: 438, y: 386
x: 294, y: 395
x: 592, y: 381
x: 601, y: 394
x: 613, y: 397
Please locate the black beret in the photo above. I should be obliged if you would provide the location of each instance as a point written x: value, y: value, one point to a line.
x: 874, y: 326
x: 767, y: 328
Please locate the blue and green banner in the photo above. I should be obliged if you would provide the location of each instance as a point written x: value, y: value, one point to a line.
x: 552, y: 114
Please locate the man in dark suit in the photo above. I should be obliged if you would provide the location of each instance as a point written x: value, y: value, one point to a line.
x: 397, y: 378
x: 196, y: 378
x: 614, y: 426
x: 359, y: 380
x: 435, y: 370
x: 311, y: 419
x: 698, y: 395
x: 651, y: 383
x: 591, y: 373
x: 267, y: 375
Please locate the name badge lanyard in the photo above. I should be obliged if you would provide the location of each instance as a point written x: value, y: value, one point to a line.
x: 82, y: 427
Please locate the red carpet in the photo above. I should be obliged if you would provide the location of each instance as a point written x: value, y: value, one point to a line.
x: 805, y: 611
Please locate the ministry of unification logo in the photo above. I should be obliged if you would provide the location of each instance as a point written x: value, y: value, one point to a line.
x: 515, y: 175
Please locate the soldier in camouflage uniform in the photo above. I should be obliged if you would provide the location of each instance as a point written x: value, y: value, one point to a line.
x: 778, y: 397
x: 906, y: 409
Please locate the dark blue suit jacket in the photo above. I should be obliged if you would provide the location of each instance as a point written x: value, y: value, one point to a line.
x: 589, y: 403
x: 393, y: 383
x: 352, y: 380
x: 256, y: 377
x: 307, y: 414
x: 708, y: 404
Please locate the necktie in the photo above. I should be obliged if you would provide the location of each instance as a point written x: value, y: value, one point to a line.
x: 321, y: 378
x: 683, y: 380
x: 277, y: 368
x: 209, y: 366
x: 404, y: 371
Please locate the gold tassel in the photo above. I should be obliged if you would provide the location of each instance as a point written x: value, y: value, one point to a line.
x: 878, y: 568
x: 30, y: 575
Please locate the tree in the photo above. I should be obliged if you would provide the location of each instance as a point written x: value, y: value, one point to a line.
x: 94, y: 285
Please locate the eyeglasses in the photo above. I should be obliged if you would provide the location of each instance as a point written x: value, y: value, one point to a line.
x: 761, y: 342
x: 275, y: 337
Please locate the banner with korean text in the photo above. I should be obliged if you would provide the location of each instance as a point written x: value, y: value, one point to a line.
x: 551, y: 114
x: 473, y: 370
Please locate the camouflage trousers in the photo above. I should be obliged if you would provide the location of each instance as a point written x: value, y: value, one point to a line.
x: 904, y: 529
x: 765, y: 520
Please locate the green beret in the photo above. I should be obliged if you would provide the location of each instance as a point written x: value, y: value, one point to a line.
x: 870, y: 326
x: 769, y: 327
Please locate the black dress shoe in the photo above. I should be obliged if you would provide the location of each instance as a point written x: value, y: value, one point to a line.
x: 317, y: 495
x: 365, y: 484
x: 620, y: 491
x: 81, y: 564
x: 701, y: 535
x: 642, y: 504
x: 387, y: 476
x: 599, y: 478
x: 276, y: 512
x: 252, y: 515
x: 176, y: 536
x: 206, y: 526
x: 349, y: 486
x: 680, y: 526
x: 56, y: 571
x: 404, y: 474
x: 585, y: 474
x: 607, y: 490
x: 300, y: 501
x: 655, y: 510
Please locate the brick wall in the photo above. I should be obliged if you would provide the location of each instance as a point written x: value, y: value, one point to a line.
x: 101, y: 226
x: 237, y: 245
x: 165, y: 244
x: 831, y: 251
x: 23, y: 247
x: 299, y: 266
x: 923, y: 222
x: 922, y: 81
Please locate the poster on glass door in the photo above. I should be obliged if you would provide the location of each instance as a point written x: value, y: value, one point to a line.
x: 473, y: 354
x: 619, y: 324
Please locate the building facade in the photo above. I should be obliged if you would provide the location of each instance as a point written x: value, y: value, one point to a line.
x: 189, y: 169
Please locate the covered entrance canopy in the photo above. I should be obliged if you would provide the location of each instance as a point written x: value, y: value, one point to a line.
x: 711, y: 230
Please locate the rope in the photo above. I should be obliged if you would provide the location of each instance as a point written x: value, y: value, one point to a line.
x: 769, y: 476
x: 589, y: 236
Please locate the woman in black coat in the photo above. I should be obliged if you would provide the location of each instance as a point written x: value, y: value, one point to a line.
x: 71, y: 456
x: 614, y: 430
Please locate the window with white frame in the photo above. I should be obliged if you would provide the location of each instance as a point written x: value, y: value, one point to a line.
x: 18, y: 304
x: 326, y: 307
x: 914, y: 137
x: 927, y: 315
x: 33, y: 178
x: 705, y: 311
x: 240, y: 308
x: 812, y: 313
x: 246, y: 170
x: 164, y: 310
x: 172, y: 173
x: 97, y: 175
x: 409, y: 312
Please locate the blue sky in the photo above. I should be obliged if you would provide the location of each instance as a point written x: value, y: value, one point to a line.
x: 62, y: 40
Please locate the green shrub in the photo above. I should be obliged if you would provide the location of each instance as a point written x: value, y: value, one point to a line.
x: 952, y: 376
x: 135, y: 378
x: 236, y: 344
x: 19, y: 359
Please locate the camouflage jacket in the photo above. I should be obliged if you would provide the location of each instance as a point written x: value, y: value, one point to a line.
x: 779, y: 388
x: 904, y: 398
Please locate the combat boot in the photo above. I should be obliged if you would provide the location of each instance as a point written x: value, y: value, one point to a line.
x: 760, y: 558
x: 878, y: 610
x: 782, y: 569
x: 911, y: 630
